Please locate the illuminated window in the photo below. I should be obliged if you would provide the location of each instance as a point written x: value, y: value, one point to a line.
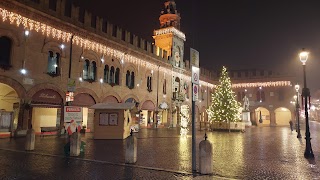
x: 53, y: 63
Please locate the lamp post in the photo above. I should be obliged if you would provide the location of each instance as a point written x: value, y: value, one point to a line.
x: 306, y: 96
x: 297, y: 87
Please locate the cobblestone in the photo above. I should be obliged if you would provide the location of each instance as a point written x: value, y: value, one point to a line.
x: 258, y: 153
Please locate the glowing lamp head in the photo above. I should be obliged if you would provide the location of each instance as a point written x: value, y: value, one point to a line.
x: 295, y: 97
x: 23, y: 71
x: 303, y: 56
x: 62, y: 46
x: 26, y: 32
x: 297, y: 87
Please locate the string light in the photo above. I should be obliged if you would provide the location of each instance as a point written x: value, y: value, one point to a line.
x: 262, y: 84
x: 49, y: 31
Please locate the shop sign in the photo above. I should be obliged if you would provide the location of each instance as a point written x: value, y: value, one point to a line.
x: 73, y: 113
x: 47, y: 96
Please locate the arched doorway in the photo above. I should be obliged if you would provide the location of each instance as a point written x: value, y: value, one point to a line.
x: 147, y: 114
x: 45, y: 109
x: 85, y: 100
x: 263, y: 114
x: 163, y: 114
x: 110, y: 99
x: 9, y: 109
x: 283, y: 116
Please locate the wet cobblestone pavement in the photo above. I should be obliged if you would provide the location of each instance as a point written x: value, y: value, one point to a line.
x: 258, y: 153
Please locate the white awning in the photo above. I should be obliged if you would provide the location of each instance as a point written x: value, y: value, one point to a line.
x: 113, y: 106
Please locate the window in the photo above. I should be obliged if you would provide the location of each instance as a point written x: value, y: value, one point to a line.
x: 5, y: 52
x: 260, y: 95
x: 67, y: 9
x: 53, y: 5
x: 239, y: 74
x: 164, y: 87
x: 93, y: 71
x: 261, y: 73
x: 149, y: 83
x: 111, y: 77
x: 106, y: 74
x: 85, y: 73
x: 53, y: 64
x: 130, y: 79
x: 117, y: 75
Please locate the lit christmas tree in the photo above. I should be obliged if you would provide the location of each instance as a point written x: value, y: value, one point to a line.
x: 224, y: 106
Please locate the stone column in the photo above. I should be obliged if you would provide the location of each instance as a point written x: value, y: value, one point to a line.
x: 131, y: 149
x: 75, y: 143
x: 205, y: 157
x: 30, y: 140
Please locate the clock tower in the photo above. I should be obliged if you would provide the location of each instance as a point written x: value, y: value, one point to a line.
x: 169, y: 37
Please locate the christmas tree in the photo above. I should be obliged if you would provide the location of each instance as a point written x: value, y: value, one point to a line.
x: 224, y: 106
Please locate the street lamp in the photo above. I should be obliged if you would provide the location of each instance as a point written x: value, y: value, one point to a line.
x: 297, y: 87
x: 306, y: 95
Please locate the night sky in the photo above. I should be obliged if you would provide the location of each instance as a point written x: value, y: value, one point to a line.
x: 240, y: 34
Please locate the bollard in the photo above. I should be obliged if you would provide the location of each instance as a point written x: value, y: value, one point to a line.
x: 75, y: 143
x: 205, y: 156
x: 30, y: 140
x: 131, y: 149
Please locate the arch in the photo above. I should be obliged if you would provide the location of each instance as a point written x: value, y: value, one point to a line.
x: 47, y: 96
x: 84, y: 100
x: 88, y: 91
x: 265, y: 115
x: 111, y: 99
x: 41, y: 86
x: 148, y: 105
x: 21, y: 91
x: 13, y: 36
x: 130, y: 68
x: 54, y: 47
x: 282, y: 116
x: 114, y: 94
x: 91, y: 55
x: 131, y: 96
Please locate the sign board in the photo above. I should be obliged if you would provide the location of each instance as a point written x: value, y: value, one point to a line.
x: 28, y: 81
x: 194, y: 57
x: 72, y: 113
x: 71, y: 85
x: 195, y: 92
x: 195, y: 75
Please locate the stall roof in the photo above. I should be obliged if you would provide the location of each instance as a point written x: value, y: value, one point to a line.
x: 113, y: 106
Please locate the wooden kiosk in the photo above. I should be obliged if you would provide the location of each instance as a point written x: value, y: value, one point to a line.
x: 112, y: 120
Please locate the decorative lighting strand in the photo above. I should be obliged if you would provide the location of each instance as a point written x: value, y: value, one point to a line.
x: 50, y: 31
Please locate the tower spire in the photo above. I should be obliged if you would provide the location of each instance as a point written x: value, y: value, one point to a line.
x: 169, y: 15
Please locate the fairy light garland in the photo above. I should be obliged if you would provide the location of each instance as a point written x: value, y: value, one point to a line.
x: 58, y: 34
x: 262, y: 84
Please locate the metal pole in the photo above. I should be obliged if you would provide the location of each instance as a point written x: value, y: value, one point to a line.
x: 298, y: 115
x: 308, y: 153
x: 194, y: 167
